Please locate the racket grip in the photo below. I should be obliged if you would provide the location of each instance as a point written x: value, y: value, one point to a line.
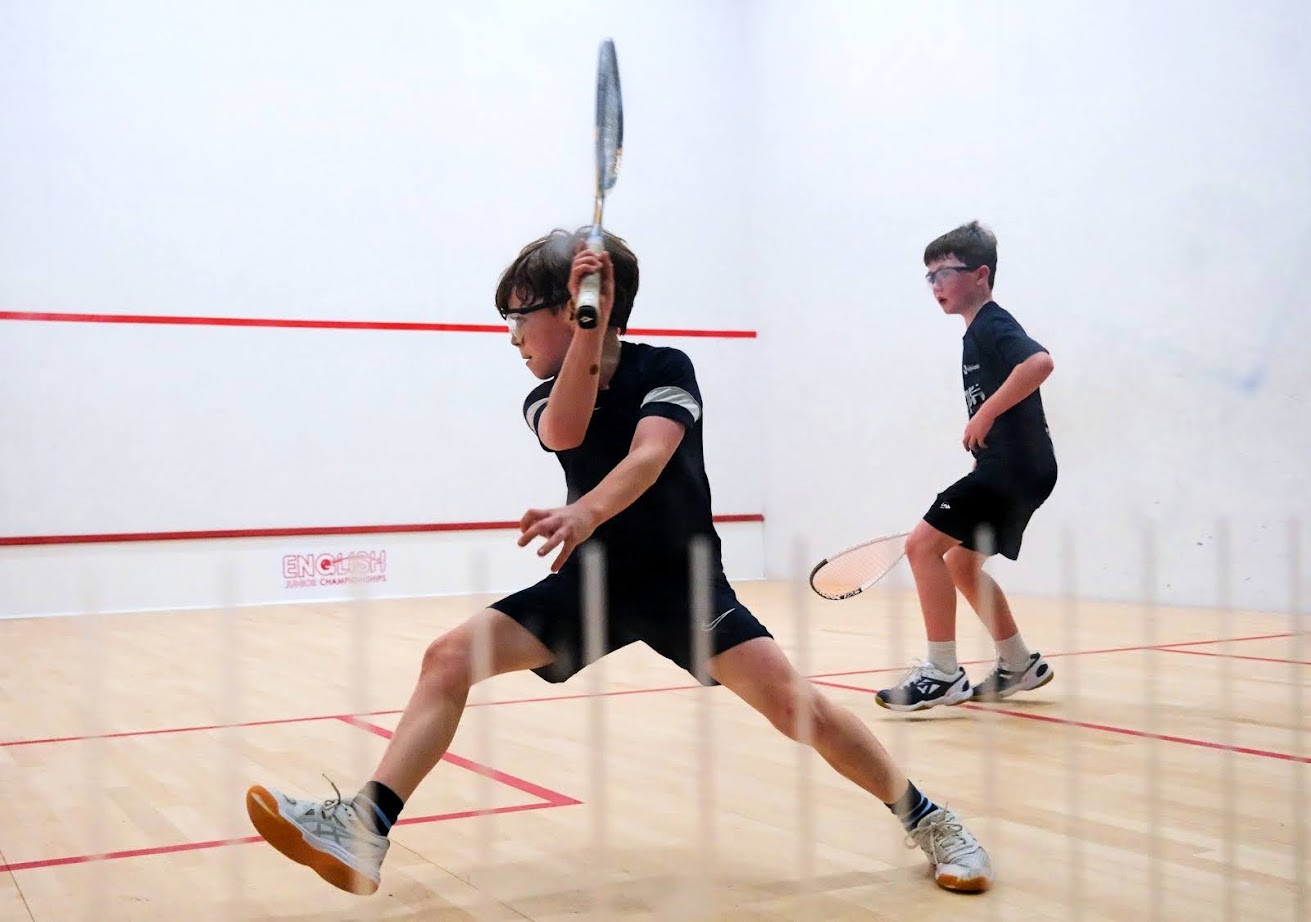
x: 589, y: 292
x: 589, y: 295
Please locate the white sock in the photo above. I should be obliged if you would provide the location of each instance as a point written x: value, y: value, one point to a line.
x: 942, y: 654
x: 1012, y: 652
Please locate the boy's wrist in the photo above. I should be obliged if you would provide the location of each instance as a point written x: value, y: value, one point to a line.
x: 596, y: 333
x: 592, y: 340
x: 588, y: 505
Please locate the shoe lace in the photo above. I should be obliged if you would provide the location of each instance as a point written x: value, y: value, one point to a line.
x: 998, y: 670
x: 943, y: 837
x: 1000, y: 673
x: 914, y: 674
x: 333, y: 807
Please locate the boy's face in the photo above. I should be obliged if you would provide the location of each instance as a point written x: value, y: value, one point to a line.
x: 956, y: 287
x: 541, y: 335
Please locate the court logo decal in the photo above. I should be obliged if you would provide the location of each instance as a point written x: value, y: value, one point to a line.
x: 303, y: 571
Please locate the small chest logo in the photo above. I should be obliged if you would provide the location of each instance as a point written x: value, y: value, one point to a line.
x: 966, y: 369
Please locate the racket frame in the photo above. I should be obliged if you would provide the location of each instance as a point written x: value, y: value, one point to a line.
x: 866, y: 584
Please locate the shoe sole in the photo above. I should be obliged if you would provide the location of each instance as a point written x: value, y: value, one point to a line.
x: 968, y: 885
x: 1051, y: 674
x: 288, y: 838
x: 945, y: 700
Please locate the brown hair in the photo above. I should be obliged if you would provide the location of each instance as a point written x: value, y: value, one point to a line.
x: 973, y: 244
x: 540, y: 273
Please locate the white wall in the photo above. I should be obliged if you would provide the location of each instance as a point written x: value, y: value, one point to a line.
x: 331, y: 160
x: 127, y: 428
x: 1147, y: 167
x: 343, y: 159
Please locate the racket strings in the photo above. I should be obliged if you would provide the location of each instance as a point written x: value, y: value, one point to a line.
x: 609, y: 118
x: 857, y: 568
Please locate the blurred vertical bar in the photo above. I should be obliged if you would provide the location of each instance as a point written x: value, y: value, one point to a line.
x: 985, y: 542
x: 893, y: 589
x: 1298, y: 628
x: 94, y: 750
x: 1073, y: 735
x: 232, y: 736
x: 485, y: 719
x: 595, y: 628
x: 1228, y: 774
x: 358, y: 614
x: 701, y: 617
x: 1151, y: 698
x: 805, y: 725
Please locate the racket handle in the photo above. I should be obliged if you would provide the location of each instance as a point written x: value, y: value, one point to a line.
x: 589, y: 292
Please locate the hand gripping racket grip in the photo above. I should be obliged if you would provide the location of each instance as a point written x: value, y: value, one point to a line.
x: 589, y: 292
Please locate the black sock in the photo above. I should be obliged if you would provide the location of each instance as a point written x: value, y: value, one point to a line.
x: 912, y: 807
x: 378, y: 806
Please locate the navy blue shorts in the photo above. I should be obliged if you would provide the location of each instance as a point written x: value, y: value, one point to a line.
x: 988, y: 509
x: 654, y: 608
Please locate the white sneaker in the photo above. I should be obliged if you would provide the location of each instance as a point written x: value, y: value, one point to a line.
x: 326, y: 836
x: 959, y: 861
x: 925, y: 686
x: 1003, y: 682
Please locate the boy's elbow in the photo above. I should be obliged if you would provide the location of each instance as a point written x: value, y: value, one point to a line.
x: 1045, y: 363
x: 558, y: 432
x: 559, y: 441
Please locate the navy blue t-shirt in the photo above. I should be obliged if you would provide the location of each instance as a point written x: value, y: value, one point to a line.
x: 994, y: 343
x: 658, y: 527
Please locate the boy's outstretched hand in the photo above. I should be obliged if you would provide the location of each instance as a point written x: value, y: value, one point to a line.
x: 565, y: 527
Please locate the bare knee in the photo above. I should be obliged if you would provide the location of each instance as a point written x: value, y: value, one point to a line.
x: 799, y: 713
x: 447, y: 664
x: 924, y: 543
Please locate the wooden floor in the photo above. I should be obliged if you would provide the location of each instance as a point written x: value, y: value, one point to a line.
x: 1162, y: 776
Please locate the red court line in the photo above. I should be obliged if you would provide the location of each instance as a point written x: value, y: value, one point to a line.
x: 1168, y: 648
x: 304, y: 531
x: 1256, y: 659
x: 246, y: 840
x: 1105, y: 728
x: 129, y: 853
x: 1142, y: 734
x: 574, y: 697
x: 554, y: 798
x: 545, y: 798
x: 130, y: 733
x: 283, y: 323
x: 346, y: 717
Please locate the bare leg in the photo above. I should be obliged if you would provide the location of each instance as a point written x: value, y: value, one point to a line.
x: 925, y: 550
x: 981, y: 591
x: 345, y: 841
x: 760, y: 674
x: 433, y: 713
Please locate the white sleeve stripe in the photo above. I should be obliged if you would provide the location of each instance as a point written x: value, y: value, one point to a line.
x: 531, y: 413
x: 677, y: 396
